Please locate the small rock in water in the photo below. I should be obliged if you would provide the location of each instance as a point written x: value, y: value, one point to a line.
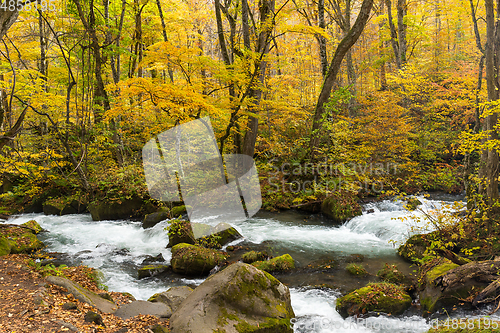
x: 214, y: 270
x: 151, y: 259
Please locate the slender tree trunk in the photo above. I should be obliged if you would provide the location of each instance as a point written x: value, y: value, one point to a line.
x: 322, y: 40
x: 165, y: 38
x: 401, y: 8
x: 383, y: 78
x: 266, y: 14
x: 394, y: 35
x: 489, y: 160
x: 42, y: 66
x: 344, y: 46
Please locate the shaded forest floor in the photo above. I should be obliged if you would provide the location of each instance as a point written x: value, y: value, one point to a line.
x: 28, y: 303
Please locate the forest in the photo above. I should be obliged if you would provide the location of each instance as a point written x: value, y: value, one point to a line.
x: 351, y: 101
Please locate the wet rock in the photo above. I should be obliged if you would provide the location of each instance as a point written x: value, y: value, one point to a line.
x: 252, y: 256
x: 278, y: 264
x: 194, y: 260
x: 173, y: 297
x: 153, y: 219
x: 414, y: 248
x: 151, y: 270
x: 103, y: 210
x: 180, y: 231
x: 340, y: 207
x: 240, y: 298
x: 391, y: 273
x: 151, y: 260
x: 136, y: 308
x: 178, y: 211
x: 219, y: 236
x: 379, y: 297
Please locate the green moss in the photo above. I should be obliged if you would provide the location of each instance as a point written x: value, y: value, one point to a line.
x: 391, y: 273
x: 194, y: 260
x: 151, y: 270
x: 438, y: 271
x: 33, y: 225
x: 281, y: 263
x: 341, y: 206
x: 379, y: 297
x: 252, y: 256
x: 178, y: 210
x: 356, y: 270
x: 5, y: 246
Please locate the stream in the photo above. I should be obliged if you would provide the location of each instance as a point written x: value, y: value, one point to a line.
x: 117, y: 249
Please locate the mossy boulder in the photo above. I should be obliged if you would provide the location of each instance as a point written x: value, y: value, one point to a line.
x: 340, y: 207
x: 150, y: 220
x: 391, y: 273
x: 377, y: 297
x: 432, y: 298
x: 180, y: 231
x: 412, y: 203
x: 64, y: 206
x: 151, y: 270
x: 414, y: 248
x: 195, y: 260
x: 240, y: 298
x: 278, y: 264
x: 5, y: 246
x: 21, y: 240
x: 356, y: 270
x: 117, y: 209
x: 219, y: 236
x: 253, y: 256
x: 178, y: 211
x: 35, y: 227
x: 173, y: 297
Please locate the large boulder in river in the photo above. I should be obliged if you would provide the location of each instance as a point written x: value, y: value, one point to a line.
x: 414, y: 248
x: 195, y: 260
x: 64, y: 206
x: 340, y: 207
x: 173, y: 297
x: 181, y: 231
x: 240, y: 298
x: 116, y: 210
x: 379, y: 297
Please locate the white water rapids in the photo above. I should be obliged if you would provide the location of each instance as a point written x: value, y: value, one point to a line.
x: 97, y: 244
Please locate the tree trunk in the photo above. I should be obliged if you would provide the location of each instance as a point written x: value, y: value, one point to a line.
x: 489, y: 158
x: 266, y: 14
x: 322, y: 40
x: 7, y: 19
x: 394, y: 35
x: 165, y: 37
x: 343, y: 47
x: 402, y: 31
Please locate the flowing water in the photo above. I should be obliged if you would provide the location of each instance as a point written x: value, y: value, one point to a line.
x: 117, y: 248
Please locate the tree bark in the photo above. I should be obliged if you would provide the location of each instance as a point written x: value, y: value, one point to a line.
x: 7, y: 19
x: 401, y: 8
x: 343, y: 47
x: 394, y: 35
x: 165, y: 37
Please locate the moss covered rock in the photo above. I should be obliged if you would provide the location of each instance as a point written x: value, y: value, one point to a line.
x: 117, y: 209
x: 21, y: 240
x: 432, y: 298
x: 150, y: 220
x: 391, y: 273
x: 377, y: 297
x: 64, y: 206
x: 178, y: 211
x: 240, y: 298
x: 219, y: 236
x: 180, y: 231
x: 340, y: 207
x: 33, y: 225
x: 414, y: 248
x: 194, y: 260
x: 278, y: 264
x: 356, y: 270
x: 151, y: 270
x: 5, y: 246
x: 253, y: 256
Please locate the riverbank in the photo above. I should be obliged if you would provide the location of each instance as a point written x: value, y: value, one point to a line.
x: 28, y: 303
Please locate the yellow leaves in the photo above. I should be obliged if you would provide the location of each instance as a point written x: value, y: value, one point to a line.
x: 306, y: 29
